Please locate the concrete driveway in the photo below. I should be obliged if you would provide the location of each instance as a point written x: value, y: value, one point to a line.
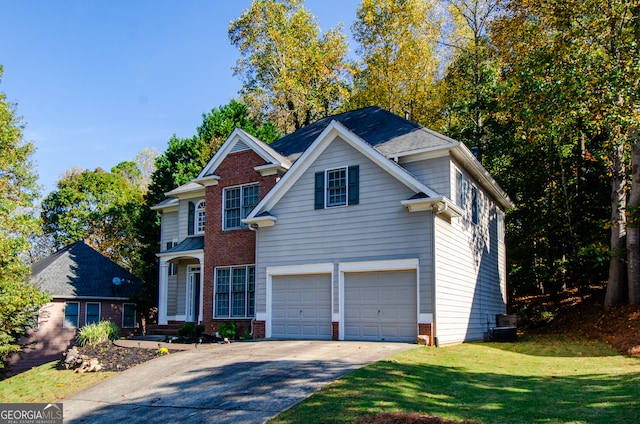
x: 236, y: 383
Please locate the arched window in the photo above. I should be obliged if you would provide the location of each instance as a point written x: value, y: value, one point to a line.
x: 199, y: 217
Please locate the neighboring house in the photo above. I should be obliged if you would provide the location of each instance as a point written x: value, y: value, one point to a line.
x: 81, y: 283
x: 361, y: 226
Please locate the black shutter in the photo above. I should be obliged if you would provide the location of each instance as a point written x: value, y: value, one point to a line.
x: 192, y: 212
x: 354, y: 185
x: 319, y: 191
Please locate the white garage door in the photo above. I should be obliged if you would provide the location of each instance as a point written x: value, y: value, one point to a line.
x: 380, y: 306
x: 301, y: 307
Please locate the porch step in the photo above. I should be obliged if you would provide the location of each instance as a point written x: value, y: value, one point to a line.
x: 170, y: 329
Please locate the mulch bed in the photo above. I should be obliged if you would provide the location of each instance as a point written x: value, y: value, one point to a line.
x: 116, y: 358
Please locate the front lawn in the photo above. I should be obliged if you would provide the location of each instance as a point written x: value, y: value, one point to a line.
x: 541, y: 379
x: 46, y: 384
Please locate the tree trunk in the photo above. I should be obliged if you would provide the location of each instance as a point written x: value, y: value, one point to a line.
x: 616, y: 285
x: 633, y: 233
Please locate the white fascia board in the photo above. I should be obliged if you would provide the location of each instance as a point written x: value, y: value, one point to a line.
x: 381, y: 265
x: 331, y: 132
x: 262, y: 149
x: 320, y: 268
x: 209, y: 180
x: 187, y: 253
x: 168, y: 205
x: 270, y: 169
x: 438, y: 205
x: 105, y: 298
x: 187, y: 191
x: 261, y: 221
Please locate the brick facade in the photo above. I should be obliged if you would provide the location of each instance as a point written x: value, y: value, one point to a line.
x: 335, y: 331
x: 426, y: 329
x: 229, y: 247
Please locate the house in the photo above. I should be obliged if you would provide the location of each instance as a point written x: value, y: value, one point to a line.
x: 360, y: 226
x: 86, y: 287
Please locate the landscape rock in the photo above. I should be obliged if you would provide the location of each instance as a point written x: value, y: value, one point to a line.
x: 74, y: 360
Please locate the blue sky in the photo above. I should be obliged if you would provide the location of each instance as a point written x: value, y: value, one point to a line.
x: 98, y: 81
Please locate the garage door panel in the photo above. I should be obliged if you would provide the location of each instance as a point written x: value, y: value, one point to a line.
x: 381, y: 306
x: 301, y: 307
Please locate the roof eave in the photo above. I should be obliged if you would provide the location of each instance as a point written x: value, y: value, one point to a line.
x: 438, y: 205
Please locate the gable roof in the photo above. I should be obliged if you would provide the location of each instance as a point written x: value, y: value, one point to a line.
x: 393, y: 137
x: 327, y: 136
x: 235, y: 141
x: 80, y: 271
x: 389, y: 133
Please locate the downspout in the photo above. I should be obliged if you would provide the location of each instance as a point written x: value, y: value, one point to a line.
x: 434, y: 326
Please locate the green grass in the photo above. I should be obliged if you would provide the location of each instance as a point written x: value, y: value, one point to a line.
x: 46, y: 384
x: 546, y: 379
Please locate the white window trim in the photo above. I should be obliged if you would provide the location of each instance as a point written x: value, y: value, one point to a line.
x: 346, y: 187
x: 86, y: 311
x: 224, y: 202
x: 201, y: 206
x: 134, y: 321
x: 246, y: 306
x: 64, y: 315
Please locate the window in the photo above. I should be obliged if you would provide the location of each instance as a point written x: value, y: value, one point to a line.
x: 173, y: 269
x: 128, y: 315
x: 475, y: 206
x: 71, y: 312
x: 500, y: 226
x: 460, y: 189
x: 235, y: 291
x: 92, y: 313
x: 199, y: 217
x: 238, y: 203
x: 337, y: 187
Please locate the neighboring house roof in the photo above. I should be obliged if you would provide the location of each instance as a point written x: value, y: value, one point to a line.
x: 79, y: 271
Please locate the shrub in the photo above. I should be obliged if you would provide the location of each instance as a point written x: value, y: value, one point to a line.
x: 190, y: 331
x: 227, y: 330
x: 95, y: 333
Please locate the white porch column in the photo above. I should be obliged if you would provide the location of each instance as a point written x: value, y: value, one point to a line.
x: 163, y: 282
x: 200, y: 258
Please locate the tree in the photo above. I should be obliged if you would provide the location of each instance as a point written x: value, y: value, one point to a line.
x: 571, y: 78
x: 181, y: 162
x: 399, y: 64
x: 19, y: 298
x: 99, y: 207
x: 291, y: 73
x: 472, y: 72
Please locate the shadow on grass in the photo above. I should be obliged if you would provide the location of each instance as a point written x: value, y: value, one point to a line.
x: 557, y: 345
x: 456, y: 393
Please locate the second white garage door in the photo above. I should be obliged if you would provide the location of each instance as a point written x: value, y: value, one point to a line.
x: 301, y: 307
x: 380, y: 306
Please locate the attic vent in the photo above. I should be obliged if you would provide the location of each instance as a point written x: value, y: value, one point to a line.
x: 239, y: 147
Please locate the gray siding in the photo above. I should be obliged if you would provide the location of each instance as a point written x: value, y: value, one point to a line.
x: 435, y: 173
x: 169, y: 226
x: 378, y: 228
x: 470, y: 276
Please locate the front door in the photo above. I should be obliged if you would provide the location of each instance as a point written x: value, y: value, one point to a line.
x: 193, y: 294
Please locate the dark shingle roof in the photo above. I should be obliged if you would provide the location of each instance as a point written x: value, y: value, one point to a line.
x: 78, y: 270
x: 390, y: 134
x: 188, y: 244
